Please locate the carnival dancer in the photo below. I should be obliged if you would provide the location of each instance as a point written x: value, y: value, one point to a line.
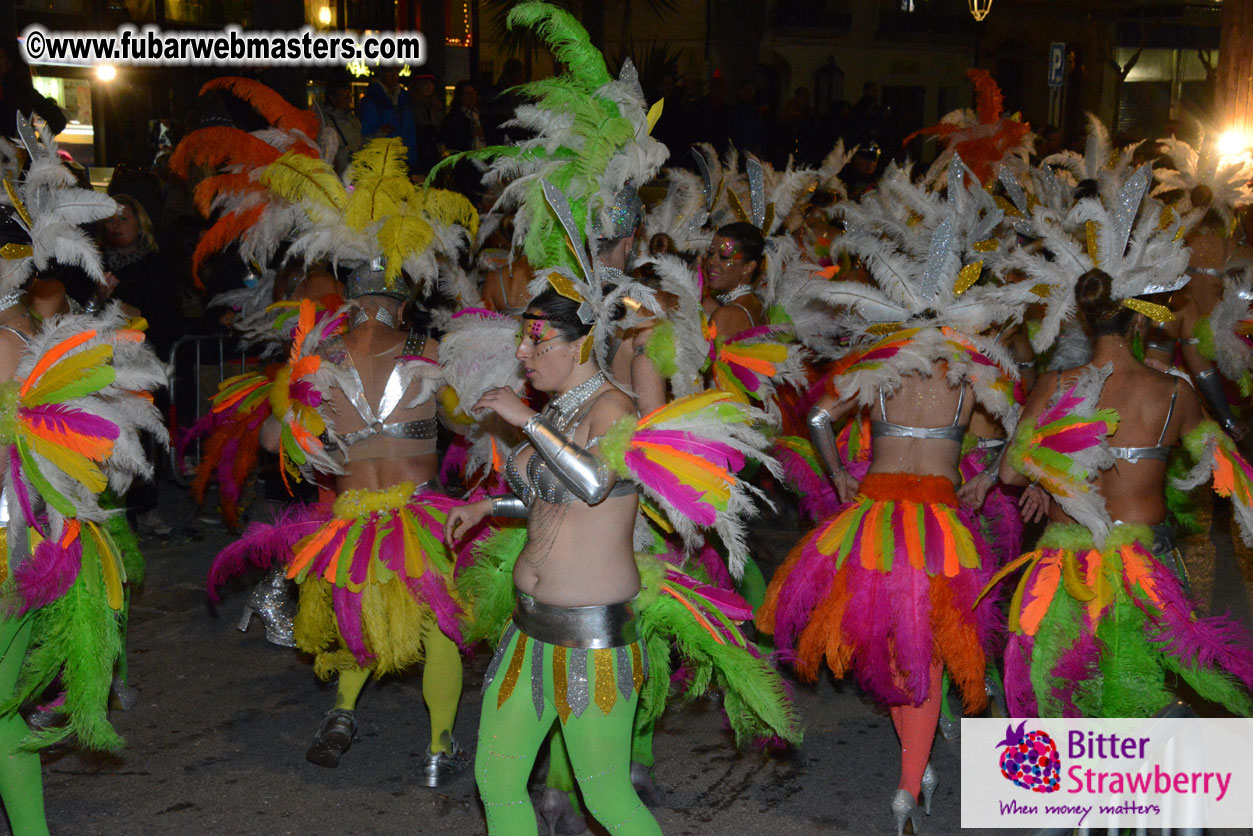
x: 77, y: 394
x: 374, y: 574
x: 1100, y: 617
x: 258, y: 223
x: 570, y: 477
x: 887, y: 587
x: 1214, y: 189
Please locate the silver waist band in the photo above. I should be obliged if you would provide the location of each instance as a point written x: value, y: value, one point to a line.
x: 604, y: 625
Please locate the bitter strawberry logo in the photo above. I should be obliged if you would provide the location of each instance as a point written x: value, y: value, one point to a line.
x: 1030, y: 759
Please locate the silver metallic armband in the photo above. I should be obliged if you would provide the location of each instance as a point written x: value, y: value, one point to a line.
x: 824, y: 440
x: 1211, y: 389
x: 582, y: 472
x: 509, y: 505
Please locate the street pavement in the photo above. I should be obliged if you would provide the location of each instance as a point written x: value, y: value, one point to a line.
x: 216, y: 744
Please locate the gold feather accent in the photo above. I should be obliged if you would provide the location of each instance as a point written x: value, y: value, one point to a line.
x: 1042, y: 290
x: 18, y: 204
x: 1007, y: 207
x: 1091, y: 227
x: 12, y: 251
x: 1155, y: 312
x: 768, y: 220
x: 991, y: 245
x: 967, y: 276
x: 565, y: 287
x: 1168, y: 215
x: 654, y: 113
x: 585, y: 353
x: 736, y: 206
x: 884, y: 328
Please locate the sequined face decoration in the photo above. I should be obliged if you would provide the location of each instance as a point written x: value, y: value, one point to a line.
x: 546, y: 356
x: 725, y: 265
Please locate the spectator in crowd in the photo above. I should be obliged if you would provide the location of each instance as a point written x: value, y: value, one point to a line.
x: 711, y: 117
x: 428, y: 113
x: 794, y: 135
x: 673, y: 129
x: 335, y: 112
x: 866, y: 122
x: 385, y: 111
x: 748, y: 125
x: 18, y: 94
x: 504, y: 101
x: 138, y: 277
x: 463, y: 131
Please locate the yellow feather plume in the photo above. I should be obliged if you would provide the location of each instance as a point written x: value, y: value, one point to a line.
x: 447, y: 207
x: 67, y: 371
x: 401, y: 236
x: 297, y: 177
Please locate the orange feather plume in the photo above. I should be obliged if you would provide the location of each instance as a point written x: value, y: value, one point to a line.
x: 957, y: 642
x: 276, y: 110
x: 221, y: 145
x: 223, y: 233
x: 210, y: 187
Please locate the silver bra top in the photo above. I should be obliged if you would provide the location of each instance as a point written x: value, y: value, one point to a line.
x: 541, y: 481
x: 1157, y: 452
x: 953, y: 432
x: 376, y: 418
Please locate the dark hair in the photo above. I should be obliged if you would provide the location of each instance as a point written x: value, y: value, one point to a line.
x: 1086, y: 189
x: 1104, y: 314
x: 660, y: 244
x: 563, y: 313
x: 749, y: 237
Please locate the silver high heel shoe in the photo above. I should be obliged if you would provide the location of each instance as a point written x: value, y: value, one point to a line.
x: 929, y: 782
x: 439, y: 768
x: 268, y: 601
x: 904, y: 809
x: 122, y: 696
x: 558, y: 815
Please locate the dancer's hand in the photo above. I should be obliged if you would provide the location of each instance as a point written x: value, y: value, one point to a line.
x: 972, y: 494
x: 845, y: 485
x: 463, y: 518
x: 1034, y: 504
x: 505, y: 403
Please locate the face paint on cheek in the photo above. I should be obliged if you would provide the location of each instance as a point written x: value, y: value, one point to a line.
x: 546, y: 349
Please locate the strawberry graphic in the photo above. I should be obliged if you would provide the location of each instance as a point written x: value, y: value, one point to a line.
x: 1030, y: 759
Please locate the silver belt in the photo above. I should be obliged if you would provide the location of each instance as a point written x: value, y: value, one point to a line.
x: 603, y: 625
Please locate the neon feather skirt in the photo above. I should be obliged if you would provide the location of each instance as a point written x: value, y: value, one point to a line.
x: 1095, y: 632
x: 675, y: 611
x: 373, y: 570
x: 884, y: 589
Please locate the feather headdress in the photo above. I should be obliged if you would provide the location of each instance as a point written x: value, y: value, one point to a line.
x: 590, y: 139
x: 46, y: 212
x: 682, y: 214
x: 1204, y: 169
x: 934, y: 261
x: 1100, y: 162
x: 392, y: 233
x: 985, y: 138
x: 608, y: 299
x: 1127, y: 233
x: 247, y: 212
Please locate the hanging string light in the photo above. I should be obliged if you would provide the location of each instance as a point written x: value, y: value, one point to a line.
x: 979, y: 8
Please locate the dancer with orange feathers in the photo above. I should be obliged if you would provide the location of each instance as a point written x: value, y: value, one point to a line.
x: 886, y: 588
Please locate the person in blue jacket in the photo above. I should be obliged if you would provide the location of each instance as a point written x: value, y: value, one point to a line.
x: 385, y: 110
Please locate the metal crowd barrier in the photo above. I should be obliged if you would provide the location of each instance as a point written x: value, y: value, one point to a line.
x: 198, y: 363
